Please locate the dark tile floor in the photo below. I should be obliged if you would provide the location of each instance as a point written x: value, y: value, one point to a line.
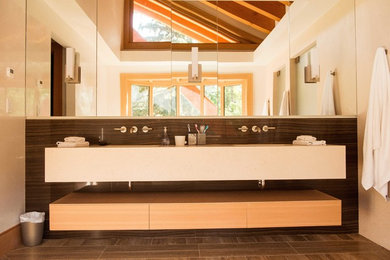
x: 199, y: 245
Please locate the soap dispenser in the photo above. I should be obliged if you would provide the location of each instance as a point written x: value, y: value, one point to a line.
x: 165, y: 139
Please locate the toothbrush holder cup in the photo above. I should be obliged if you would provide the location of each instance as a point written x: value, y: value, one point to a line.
x: 201, y: 139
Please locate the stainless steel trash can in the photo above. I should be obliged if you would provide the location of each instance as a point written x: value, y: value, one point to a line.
x: 32, y: 233
x: 32, y: 224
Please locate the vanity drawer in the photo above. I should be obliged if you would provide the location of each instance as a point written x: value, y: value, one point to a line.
x: 197, y: 215
x: 109, y: 216
x: 294, y: 213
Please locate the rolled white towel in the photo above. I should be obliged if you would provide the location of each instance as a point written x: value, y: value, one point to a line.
x: 74, y: 139
x: 70, y: 144
x: 306, y: 138
x: 319, y: 142
x: 301, y: 142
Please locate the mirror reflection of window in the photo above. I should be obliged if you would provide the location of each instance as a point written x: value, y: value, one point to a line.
x: 157, y: 96
x: 164, y: 101
x: 190, y: 100
x: 212, y: 100
x: 139, y: 100
x: 233, y: 100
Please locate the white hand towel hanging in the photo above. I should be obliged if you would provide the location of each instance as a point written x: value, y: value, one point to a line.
x: 327, y: 105
x: 266, y: 108
x: 284, y: 109
x: 376, y: 145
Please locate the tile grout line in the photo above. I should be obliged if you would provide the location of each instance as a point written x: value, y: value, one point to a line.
x: 293, y: 248
x: 104, y: 249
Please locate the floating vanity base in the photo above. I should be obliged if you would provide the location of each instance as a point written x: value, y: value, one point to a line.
x: 194, y: 210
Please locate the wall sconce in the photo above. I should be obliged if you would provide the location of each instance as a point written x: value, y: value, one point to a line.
x: 194, y: 69
x: 308, y: 75
x: 72, y: 71
x: 312, y: 70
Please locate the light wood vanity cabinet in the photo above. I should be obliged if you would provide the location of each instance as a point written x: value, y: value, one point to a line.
x: 194, y: 210
x: 197, y: 215
x: 98, y: 211
x: 305, y: 208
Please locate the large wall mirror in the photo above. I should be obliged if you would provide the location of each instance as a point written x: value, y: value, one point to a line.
x: 155, y: 58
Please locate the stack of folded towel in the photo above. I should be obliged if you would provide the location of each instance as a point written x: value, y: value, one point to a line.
x: 308, y: 140
x: 73, y: 141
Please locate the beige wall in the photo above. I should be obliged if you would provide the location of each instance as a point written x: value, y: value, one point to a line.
x: 67, y: 23
x: 306, y: 94
x: 331, y: 26
x: 372, y: 20
x: 334, y: 34
x: 271, y: 56
x: 12, y: 118
x: 110, y: 23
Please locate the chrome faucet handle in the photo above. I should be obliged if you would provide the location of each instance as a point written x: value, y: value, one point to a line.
x: 133, y: 130
x: 266, y: 128
x: 256, y: 129
x: 146, y: 129
x: 243, y: 128
x: 122, y: 129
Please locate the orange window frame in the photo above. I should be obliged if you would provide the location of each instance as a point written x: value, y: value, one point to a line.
x: 153, y: 80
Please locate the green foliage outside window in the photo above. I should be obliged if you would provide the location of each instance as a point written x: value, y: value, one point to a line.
x: 164, y: 101
x: 153, y: 30
x: 139, y: 100
x: 233, y: 100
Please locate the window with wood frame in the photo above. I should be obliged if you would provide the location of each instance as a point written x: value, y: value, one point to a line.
x: 166, y: 24
x: 168, y: 94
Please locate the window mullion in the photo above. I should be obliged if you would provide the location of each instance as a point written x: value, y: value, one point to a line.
x: 202, y: 86
x: 151, y: 100
x: 222, y: 100
x: 177, y: 100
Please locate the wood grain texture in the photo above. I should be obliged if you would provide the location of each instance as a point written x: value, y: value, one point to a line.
x: 197, y: 215
x: 93, y: 198
x: 10, y: 239
x: 294, y: 213
x: 194, y: 210
x: 41, y: 133
x: 195, y: 244
x: 104, y: 216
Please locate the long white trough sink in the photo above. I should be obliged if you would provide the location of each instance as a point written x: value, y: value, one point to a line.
x: 195, y: 163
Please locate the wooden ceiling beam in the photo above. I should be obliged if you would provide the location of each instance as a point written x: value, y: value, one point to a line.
x: 209, y: 20
x: 271, y: 9
x: 220, y: 47
x: 242, y: 15
x: 286, y: 3
x: 176, y: 17
x: 164, y: 17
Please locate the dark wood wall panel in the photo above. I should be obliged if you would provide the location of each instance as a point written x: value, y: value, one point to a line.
x: 46, y: 132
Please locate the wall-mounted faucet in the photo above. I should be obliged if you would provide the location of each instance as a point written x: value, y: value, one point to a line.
x: 146, y: 129
x: 267, y: 128
x: 256, y: 129
x: 122, y: 129
x: 243, y: 128
x: 133, y: 130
